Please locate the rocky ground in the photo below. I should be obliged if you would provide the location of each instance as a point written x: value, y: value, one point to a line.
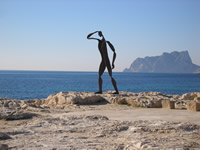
x: 79, y: 120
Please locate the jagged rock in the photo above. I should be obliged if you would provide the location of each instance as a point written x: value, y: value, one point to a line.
x: 133, y: 102
x: 176, y: 96
x: 188, y: 96
x: 193, y: 106
x: 191, y: 96
x: 189, y: 127
x: 8, y: 114
x: 39, y: 102
x: 96, y: 117
x: 13, y: 110
x: 4, y: 136
x: 116, y: 100
x: 155, y: 104
x: 3, y: 147
x: 69, y: 98
x: 19, y: 116
x: 143, y: 99
x: 168, y: 104
x: 10, y: 103
x: 180, y: 104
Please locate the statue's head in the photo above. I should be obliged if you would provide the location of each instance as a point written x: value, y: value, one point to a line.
x: 100, y: 33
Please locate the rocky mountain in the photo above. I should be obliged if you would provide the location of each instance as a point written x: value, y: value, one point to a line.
x: 175, y: 62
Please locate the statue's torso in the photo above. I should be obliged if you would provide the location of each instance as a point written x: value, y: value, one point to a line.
x: 103, y: 49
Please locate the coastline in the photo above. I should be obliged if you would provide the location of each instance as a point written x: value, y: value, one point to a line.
x: 83, y: 120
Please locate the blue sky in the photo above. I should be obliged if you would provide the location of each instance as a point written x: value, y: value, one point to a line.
x: 51, y: 34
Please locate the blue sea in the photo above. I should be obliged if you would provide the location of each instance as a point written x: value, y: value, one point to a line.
x: 39, y: 84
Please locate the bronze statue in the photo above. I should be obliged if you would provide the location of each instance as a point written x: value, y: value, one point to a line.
x: 105, y: 62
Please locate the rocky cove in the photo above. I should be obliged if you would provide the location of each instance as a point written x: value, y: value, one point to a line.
x: 83, y: 120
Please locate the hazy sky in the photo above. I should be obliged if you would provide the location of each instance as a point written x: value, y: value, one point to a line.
x: 51, y: 34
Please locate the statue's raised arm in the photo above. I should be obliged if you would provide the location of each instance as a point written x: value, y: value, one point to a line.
x: 91, y: 38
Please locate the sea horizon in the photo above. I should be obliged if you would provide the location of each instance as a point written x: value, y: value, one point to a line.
x: 40, y: 84
x: 94, y: 71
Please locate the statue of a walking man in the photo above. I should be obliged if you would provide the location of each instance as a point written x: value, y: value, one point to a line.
x: 105, y: 62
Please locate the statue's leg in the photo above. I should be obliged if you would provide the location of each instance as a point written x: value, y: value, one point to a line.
x: 112, y: 79
x: 102, y: 68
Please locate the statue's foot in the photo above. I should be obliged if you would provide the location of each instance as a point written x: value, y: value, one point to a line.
x: 116, y: 92
x: 98, y: 92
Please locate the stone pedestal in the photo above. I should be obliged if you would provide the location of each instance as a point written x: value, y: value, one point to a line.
x: 193, y: 106
x: 168, y: 104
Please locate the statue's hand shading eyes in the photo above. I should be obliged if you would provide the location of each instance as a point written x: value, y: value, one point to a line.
x: 89, y: 35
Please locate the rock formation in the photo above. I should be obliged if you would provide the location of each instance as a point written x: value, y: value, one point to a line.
x: 175, y: 62
x: 16, y: 109
x: 142, y: 99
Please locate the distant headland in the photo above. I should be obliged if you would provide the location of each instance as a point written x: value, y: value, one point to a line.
x: 174, y: 62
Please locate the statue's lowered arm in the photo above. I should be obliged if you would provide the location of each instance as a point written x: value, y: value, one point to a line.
x: 114, y: 54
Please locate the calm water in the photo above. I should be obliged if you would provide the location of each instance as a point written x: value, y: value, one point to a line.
x: 40, y: 84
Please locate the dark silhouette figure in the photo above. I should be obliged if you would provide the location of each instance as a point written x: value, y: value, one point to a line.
x: 105, y: 62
